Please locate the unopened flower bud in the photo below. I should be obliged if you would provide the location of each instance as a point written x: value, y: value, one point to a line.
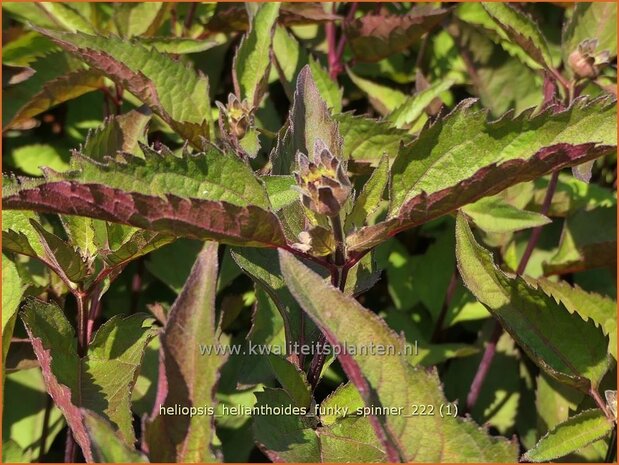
x: 585, y: 62
x: 237, y: 116
x: 322, y: 180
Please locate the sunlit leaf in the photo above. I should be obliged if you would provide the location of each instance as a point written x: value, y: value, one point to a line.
x: 389, y: 380
x: 567, y: 347
x: 577, y: 432
x: 191, y: 322
x: 102, y: 380
x: 171, y: 89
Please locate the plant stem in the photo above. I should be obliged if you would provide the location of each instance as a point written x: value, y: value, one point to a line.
x: 601, y: 403
x: 331, y: 47
x: 45, y: 431
x: 70, y: 449
x: 612, y: 446
x: 339, y: 258
x: 82, y: 323
x: 451, y: 288
x: 338, y: 279
x: 341, y: 44
x: 136, y: 286
x: 490, y: 350
x: 189, y: 18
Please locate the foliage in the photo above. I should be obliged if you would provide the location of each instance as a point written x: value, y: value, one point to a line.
x: 307, y: 232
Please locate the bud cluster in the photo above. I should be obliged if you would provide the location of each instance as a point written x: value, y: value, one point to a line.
x: 585, y: 62
x: 322, y: 181
x: 237, y: 116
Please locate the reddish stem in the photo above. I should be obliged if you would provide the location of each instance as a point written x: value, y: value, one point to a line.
x: 341, y: 45
x: 331, y: 47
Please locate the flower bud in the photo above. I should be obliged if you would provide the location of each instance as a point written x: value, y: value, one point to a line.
x: 585, y: 62
x: 237, y: 116
x: 322, y: 181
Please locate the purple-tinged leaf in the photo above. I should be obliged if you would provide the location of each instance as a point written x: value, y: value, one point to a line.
x: 308, y: 121
x: 563, y: 344
x: 102, y: 380
x: 385, y: 378
x: 190, y: 377
x: 195, y: 218
x: 171, y: 89
x: 119, y: 133
x: 57, y: 91
x: 487, y: 181
x: 521, y: 30
x: 374, y: 36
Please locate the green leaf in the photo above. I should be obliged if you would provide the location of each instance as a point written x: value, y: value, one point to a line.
x: 171, y: 89
x: 252, y: 60
x: 66, y: 260
x: 577, y: 432
x: 172, y: 264
x: 463, y: 157
x: 370, y: 197
x: 24, y: 391
x: 413, y: 107
x: 309, y: 120
x: 292, y: 379
x: 138, y: 244
x: 26, y: 48
x: 447, y: 146
x: 56, y: 80
x: 139, y: 19
x: 383, y: 98
x: 119, y: 133
x: 280, y: 191
x: 191, y: 376
x: 102, y: 380
x: 375, y: 36
x: 27, y: 13
x: 66, y: 16
x: 563, y: 344
x: 504, y: 77
x: 107, y: 446
x: 12, y: 290
x: 433, y: 270
x: 206, y: 196
x: 572, y: 195
x: 495, y: 215
x: 289, y: 57
x: 328, y: 88
x: 263, y: 267
x: 521, y: 30
x: 389, y: 380
x: 30, y: 158
x: 18, y: 235
x: 591, y: 21
x: 554, y: 402
x: 284, y: 437
x: 601, y: 309
x: 584, y: 244
x: 366, y: 140
x: 211, y: 175
x: 12, y: 453
x: 291, y: 437
x: 179, y: 45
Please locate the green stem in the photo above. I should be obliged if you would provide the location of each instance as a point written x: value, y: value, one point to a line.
x: 339, y: 257
x: 339, y: 274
